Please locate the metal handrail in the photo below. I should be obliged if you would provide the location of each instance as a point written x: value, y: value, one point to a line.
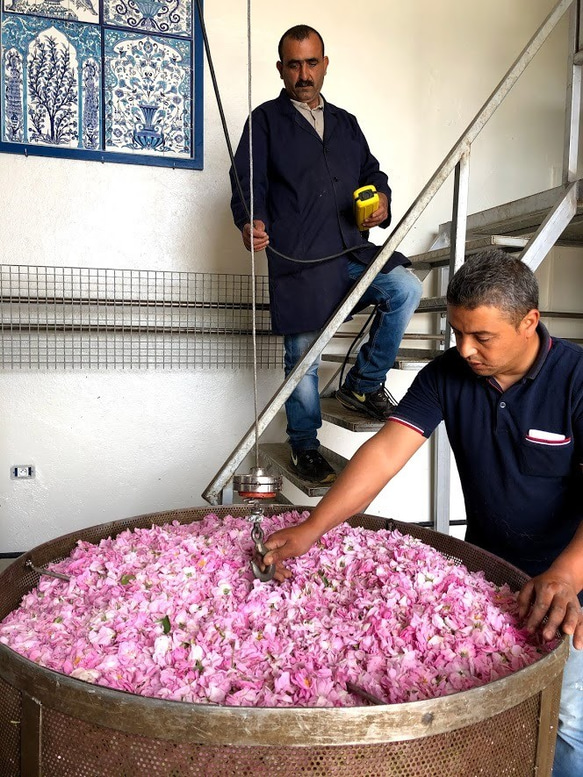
x: 459, y: 152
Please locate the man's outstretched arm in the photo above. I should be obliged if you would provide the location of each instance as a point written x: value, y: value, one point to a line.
x: 369, y: 470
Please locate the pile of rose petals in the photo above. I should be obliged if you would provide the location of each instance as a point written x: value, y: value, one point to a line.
x: 174, y: 612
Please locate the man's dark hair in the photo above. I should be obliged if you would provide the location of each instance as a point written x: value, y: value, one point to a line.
x: 495, y: 278
x: 299, y: 32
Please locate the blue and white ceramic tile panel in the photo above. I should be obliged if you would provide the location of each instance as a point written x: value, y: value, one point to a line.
x: 148, y: 93
x: 114, y: 80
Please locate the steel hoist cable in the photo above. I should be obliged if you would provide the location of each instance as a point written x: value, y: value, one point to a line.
x: 258, y: 485
x: 251, y: 213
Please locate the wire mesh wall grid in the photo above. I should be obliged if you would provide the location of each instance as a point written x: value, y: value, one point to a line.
x: 95, y: 318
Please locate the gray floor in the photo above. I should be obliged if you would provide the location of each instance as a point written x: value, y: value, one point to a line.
x: 4, y: 562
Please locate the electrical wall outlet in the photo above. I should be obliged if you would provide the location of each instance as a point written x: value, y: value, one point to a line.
x: 22, y: 472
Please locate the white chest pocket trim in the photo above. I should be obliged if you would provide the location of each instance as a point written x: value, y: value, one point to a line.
x: 547, y: 438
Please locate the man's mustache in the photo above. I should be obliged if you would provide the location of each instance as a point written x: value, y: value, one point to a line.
x: 301, y: 83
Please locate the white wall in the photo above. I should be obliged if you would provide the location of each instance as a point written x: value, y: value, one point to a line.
x: 108, y: 445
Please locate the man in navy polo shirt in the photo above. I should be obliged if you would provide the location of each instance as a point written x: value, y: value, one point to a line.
x: 511, y: 398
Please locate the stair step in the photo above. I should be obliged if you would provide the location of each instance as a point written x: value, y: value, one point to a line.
x: 526, y: 215
x: 406, y: 336
x: 423, y: 336
x: 432, y: 305
x: 439, y: 257
x: 418, y: 354
x: 415, y: 358
x: 337, y: 414
x: 406, y: 357
x: 413, y: 364
x: 439, y: 305
x: 275, y: 457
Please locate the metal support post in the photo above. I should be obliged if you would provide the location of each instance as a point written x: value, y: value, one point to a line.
x: 573, y: 101
x: 441, y: 475
x: 460, y: 211
x: 459, y: 223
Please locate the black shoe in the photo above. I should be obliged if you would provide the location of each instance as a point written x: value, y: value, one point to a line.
x: 378, y: 404
x: 311, y: 465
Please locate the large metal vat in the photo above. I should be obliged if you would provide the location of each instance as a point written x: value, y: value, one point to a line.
x: 56, y: 726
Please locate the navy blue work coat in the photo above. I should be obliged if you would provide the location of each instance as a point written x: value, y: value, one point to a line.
x: 303, y: 191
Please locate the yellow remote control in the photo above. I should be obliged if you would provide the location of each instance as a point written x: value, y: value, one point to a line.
x: 366, y: 201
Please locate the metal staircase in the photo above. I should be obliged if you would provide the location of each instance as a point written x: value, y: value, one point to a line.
x: 530, y: 226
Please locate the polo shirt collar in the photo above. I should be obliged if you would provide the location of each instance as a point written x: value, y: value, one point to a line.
x: 546, y: 343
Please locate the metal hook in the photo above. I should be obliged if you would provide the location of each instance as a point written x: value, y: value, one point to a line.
x: 259, y: 552
x: 28, y: 563
x: 255, y: 486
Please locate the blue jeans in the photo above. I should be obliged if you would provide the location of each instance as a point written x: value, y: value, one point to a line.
x: 569, y: 750
x: 303, y: 406
x: 396, y: 295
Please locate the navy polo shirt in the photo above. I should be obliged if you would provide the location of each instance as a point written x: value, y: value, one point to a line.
x: 518, y: 451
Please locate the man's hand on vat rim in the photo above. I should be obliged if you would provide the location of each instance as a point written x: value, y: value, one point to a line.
x: 552, y: 595
x: 260, y: 236
x: 288, y: 543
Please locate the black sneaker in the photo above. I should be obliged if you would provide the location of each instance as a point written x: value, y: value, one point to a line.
x: 311, y: 465
x: 378, y: 404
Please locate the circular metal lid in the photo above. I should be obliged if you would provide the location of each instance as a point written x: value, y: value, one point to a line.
x: 258, y: 481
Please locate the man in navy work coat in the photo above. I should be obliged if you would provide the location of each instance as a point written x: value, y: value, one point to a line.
x: 511, y: 397
x: 308, y: 158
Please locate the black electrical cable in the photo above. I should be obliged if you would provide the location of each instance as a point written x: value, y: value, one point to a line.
x: 356, y: 339
x: 232, y: 156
